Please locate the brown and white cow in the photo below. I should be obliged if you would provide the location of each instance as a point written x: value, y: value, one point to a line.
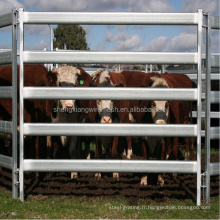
x: 65, y: 111
x: 178, y: 110
x: 105, y: 113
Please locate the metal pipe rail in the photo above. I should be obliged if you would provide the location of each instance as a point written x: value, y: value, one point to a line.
x: 6, y: 57
x: 215, y: 22
x: 6, y: 126
x: 110, y: 18
x: 6, y: 20
x: 9, y: 56
x: 6, y: 92
x: 90, y: 57
x: 6, y: 162
x: 152, y: 166
x: 96, y: 129
x: 109, y: 93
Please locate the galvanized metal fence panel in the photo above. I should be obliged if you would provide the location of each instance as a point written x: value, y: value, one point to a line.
x: 109, y: 57
x: 10, y: 57
x: 212, y: 60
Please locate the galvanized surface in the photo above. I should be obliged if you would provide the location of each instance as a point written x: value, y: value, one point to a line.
x: 6, y: 161
x: 199, y: 105
x: 214, y: 169
x: 94, y: 93
x: 102, y: 57
x: 5, y: 20
x: 98, y: 129
x: 5, y: 57
x: 215, y: 22
x: 151, y: 166
x: 215, y: 60
x: 6, y: 126
x: 105, y: 18
x: 14, y: 106
x: 6, y: 92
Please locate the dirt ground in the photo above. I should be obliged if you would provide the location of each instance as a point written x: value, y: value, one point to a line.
x: 181, y: 187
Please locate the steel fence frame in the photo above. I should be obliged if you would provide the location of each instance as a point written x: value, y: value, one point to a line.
x: 212, y: 60
x: 10, y: 57
x: 109, y: 57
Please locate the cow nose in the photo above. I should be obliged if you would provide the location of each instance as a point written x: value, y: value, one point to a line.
x: 68, y: 105
x: 106, y: 119
x: 161, y: 122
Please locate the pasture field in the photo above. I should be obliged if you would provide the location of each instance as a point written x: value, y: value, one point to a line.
x: 74, y: 207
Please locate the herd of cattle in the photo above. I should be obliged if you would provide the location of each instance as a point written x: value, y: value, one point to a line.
x: 108, y: 111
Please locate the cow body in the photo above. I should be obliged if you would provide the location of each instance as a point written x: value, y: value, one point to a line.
x: 178, y: 111
x: 105, y: 113
x: 34, y: 110
x: 65, y: 111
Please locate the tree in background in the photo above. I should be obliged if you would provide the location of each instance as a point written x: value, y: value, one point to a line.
x: 73, y: 36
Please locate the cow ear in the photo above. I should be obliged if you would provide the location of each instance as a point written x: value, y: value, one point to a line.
x: 119, y: 85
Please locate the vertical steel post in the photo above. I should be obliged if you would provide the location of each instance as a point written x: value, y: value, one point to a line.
x: 14, y: 107
x: 21, y: 100
x: 207, y: 115
x: 199, y: 79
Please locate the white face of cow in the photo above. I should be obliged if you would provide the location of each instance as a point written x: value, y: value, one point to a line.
x: 105, y: 107
x: 160, y: 111
x: 67, y: 77
x: 105, y: 110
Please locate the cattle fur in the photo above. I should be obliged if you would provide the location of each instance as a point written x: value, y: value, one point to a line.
x: 67, y: 74
x: 158, y: 82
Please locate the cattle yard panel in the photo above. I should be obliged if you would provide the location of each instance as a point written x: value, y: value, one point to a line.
x: 211, y: 132
x: 108, y: 57
x: 10, y: 57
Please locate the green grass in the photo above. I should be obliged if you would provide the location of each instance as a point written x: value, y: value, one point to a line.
x: 67, y: 207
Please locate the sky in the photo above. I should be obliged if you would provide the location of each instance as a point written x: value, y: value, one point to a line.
x: 117, y: 37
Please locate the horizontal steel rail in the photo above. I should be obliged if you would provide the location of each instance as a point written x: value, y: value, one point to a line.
x: 6, y: 92
x: 92, y: 93
x: 214, y: 133
x: 194, y: 76
x: 5, y: 20
x: 215, y: 22
x: 214, y: 169
x: 215, y: 60
x: 97, y: 129
x: 103, y: 57
x: 5, y: 161
x: 6, y: 57
x: 212, y: 114
x: 214, y: 96
x: 153, y: 166
x: 105, y: 18
x: 6, y: 126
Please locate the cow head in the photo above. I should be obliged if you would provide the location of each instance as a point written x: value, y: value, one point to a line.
x: 105, y: 107
x: 66, y: 76
x: 159, y: 109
